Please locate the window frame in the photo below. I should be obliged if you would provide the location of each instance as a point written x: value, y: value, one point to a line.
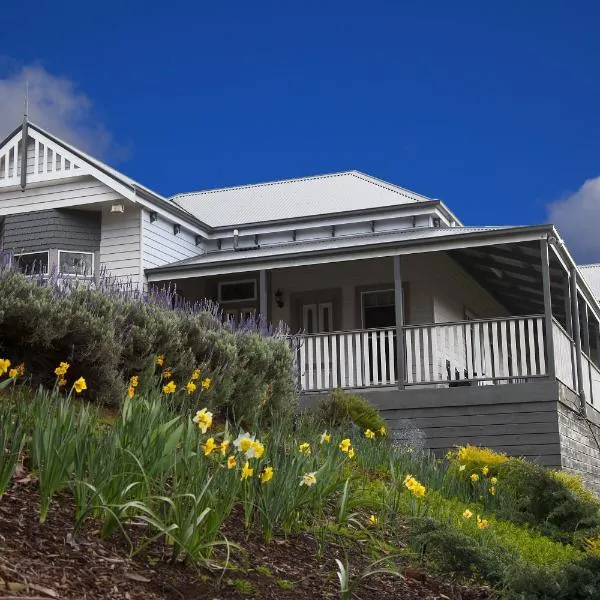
x: 92, y: 254
x: 235, y: 282
x: 15, y: 258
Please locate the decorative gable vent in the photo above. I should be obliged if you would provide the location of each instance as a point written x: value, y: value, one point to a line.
x: 46, y: 160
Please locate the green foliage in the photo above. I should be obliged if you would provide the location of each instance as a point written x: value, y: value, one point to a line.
x: 341, y: 408
x: 578, y: 580
x: 545, y: 501
x: 456, y: 552
x: 12, y: 438
x: 109, y: 337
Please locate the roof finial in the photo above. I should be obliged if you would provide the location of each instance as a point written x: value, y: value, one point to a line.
x: 26, y: 101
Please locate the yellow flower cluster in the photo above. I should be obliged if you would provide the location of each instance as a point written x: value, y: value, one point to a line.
x: 309, y: 479
x: 373, y: 520
x: 4, y: 365
x: 133, y: 383
x: 169, y: 388
x: 346, y: 447
x: 80, y: 385
x: 325, y: 437
x: 203, y: 419
x: 416, y: 488
x: 481, y: 523
x: 160, y: 360
x: 62, y: 369
x: 304, y: 448
x: 266, y: 475
x: 13, y: 373
x: 249, y: 445
x: 369, y: 434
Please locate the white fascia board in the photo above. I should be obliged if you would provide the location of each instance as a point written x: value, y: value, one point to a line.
x: 326, y: 221
x: 280, y: 261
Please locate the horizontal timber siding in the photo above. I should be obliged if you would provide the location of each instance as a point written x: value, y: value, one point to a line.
x: 161, y: 246
x: 519, y: 419
x: 63, y: 229
x: 58, y: 195
x: 120, y: 245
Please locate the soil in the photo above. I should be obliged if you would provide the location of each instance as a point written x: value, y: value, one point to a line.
x: 51, y: 560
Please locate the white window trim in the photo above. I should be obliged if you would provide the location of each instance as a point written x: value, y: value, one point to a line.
x: 362, y: 301
x: 92, y: 254
x: 46, y: 252
x: 234, y: 282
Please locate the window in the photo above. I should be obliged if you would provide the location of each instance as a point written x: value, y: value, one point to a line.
x: 237, y: 291
x: 76, y: 263
x: 32, y: 263
x: 379, y: 309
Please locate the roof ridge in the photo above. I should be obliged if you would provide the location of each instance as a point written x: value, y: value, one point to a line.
x: 262, y: 184
x: 596, y: 264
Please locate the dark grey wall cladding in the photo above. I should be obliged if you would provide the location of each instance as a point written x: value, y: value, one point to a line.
x: 65, y: 229
x: 579, y: 438
x: 519, y: 419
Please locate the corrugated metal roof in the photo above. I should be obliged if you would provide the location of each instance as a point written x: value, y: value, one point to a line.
x: 591, y: 273
x: 324, y: 244
x: 293, y: 198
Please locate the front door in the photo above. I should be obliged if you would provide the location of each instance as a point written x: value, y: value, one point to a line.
x: 317, y: 317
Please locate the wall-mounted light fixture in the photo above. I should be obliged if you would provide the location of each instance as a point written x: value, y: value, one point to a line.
x: 198, y: 240
x: 153, y: 217
x: 117, y: 208
x: 176, y: 228
x: 279, y: 297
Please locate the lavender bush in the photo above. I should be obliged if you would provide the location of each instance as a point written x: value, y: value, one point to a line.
x: 110, y: 331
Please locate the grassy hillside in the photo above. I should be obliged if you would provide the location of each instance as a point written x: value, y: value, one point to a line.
x: 165, y: 497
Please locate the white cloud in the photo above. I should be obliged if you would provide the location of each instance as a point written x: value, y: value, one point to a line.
x: 57, y: 105
x: 577, y: 218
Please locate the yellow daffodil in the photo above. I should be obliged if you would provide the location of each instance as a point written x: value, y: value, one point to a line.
x: 247, y: 471
x: 416, y: 488
x: 62, y: 381
x: 467, y: 514
x: 345, y: 445
x: 195, y: 375
x: 485, y: 470
x: 266, y: 475
x: 4, y: 365
x: 325, y: 438
x: 21, y: 369
x: 231, y: 462
x: 206, y: 383
x: 224, y: 447
x: 167, y: 373
x: 13, y: 373
x: 304, y: 448
x: 449, y: 454
x: 160, y: 360
x: 462, y: 453
x: 493, y: 490
x: 133, y: 382
x: 190, y: 387
x: 80, y: 385
x: 169, y: 388
x: 383, y: 432
x: 474, y: 478
x: 243, y: 442
x: 130, y: 391
x: 256, y: 450
x: 351, y: 453
x: 462, y: 467
x: 60, y: 371
x: 482, y: 523
x: 369, y: 434
x: 373, y: 520
x: 493, y: 480
x: 308, y: 479
x: 209, y: 446
x: 203, y: 419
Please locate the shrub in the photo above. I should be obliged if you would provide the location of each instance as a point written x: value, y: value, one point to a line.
x: 341, y: 408
x: 475, y: 458
x: 108, y: 334
x: 545, y: 501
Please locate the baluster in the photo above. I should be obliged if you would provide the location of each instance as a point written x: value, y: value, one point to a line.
x: 541, y: 345
x: 374, y: 359
x: 504, y: 348
x: 495, y: 349
x: 359, y: 363
x: 409, y: 355
x: 350, y: 349
x: 426, y: 366
x: 469, y: 349
x: 522, y: 348
x: 326, y: 364
x: 343, y: 360
x: 531, y: 340
x: 391, y: 356
x: 383, y: 357
x: 366, y: 361
x: 418, y: 356
x: 334, y: 362
x: 310, y: 357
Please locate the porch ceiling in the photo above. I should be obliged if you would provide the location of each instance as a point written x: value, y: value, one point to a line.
x: 513, y: 274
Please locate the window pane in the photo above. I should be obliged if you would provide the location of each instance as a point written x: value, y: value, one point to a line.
x: 32, y: 264
x: 239, y: 290
x: 76, y: 263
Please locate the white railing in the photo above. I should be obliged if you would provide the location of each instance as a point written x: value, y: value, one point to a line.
x: 348, y: 359
x: 564, y: 356
x: 487, y: 350
x: 591, y: 379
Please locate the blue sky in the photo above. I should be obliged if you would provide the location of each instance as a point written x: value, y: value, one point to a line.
x: 493, y: 107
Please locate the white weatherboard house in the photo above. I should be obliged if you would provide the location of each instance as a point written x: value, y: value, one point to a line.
x: 487, y: 335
